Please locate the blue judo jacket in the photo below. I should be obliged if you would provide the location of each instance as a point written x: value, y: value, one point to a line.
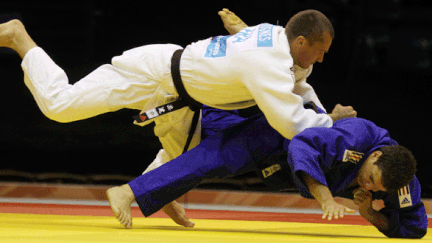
x: 333, y: 156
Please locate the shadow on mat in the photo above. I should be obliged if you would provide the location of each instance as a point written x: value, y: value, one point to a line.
x: 254, y: 231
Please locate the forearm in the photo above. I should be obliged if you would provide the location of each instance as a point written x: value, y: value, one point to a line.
x: 319, y: 191
x: 379, y: 220
x: 322, y: 194
x: 307, y: 93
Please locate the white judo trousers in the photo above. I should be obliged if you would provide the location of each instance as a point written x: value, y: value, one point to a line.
x: 139, y: 79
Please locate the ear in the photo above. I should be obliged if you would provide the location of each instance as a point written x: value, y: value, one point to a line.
x: 376, y: 154
x: 300, y: 41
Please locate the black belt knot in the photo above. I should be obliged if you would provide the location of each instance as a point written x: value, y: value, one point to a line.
x: 184, y: 100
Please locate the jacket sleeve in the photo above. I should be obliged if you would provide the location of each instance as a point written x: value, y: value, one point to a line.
x: 307, y: 92
x: 406, y: 211
x: 272, y: 89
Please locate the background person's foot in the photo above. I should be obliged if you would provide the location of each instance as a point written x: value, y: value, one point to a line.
x: 13, y: 35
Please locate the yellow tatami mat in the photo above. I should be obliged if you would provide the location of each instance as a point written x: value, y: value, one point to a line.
x: 26, y: 228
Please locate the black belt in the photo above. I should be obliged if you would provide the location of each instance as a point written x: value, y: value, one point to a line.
x: 178, y: 83
x: 184, y: 100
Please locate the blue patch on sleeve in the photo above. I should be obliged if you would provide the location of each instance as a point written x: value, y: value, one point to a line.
x: 265, y: 35
x: 243, y: 35
x: 217, y: 47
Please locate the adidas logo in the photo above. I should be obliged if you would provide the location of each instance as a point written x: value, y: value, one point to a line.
x: 405, y: 201
x: 271, y: 170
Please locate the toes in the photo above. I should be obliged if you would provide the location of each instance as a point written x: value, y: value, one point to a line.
x: 189, y: 224
x: 120, y: 217
x: 116, y: 212
x: 125, y: 220
x: 128, y: 223
x: 223, y: 14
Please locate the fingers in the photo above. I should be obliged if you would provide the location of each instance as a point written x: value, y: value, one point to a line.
x: 349, y: 210
x: 343, y: 112
x: 361, y: 195
x: 330, y: 213
x: 357, y: 191
x: 325, y: 214
x: 337, y: 213
x: 341, y: 107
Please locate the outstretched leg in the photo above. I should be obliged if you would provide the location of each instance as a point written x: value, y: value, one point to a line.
x: 13, y: 35
x: 231, y: 152
x: 232, y: 23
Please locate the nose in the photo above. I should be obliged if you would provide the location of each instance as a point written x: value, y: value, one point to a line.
x: 368, y: 185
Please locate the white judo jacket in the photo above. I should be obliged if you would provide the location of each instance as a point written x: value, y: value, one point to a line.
x: 227, y: 72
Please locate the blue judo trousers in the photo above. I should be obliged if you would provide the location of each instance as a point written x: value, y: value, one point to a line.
x: 223, y: 154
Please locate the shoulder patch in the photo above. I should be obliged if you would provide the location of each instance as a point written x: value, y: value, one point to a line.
x: 352, y: 156
x: 405, y: 197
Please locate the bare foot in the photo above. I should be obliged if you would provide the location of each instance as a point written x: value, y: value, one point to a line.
x: 120, y: 199
x: 13, y: 35
x: 177, y: 213
x: 232, y: 23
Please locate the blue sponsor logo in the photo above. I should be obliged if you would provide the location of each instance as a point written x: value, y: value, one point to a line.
x: 243, y: 35
x: 265, y: 35
x: 217, y: 47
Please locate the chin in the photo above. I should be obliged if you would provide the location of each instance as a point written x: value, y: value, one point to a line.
x: 304, y: 66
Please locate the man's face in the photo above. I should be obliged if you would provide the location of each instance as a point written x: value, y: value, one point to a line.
x: 370, y: 176
x: 305, y: 55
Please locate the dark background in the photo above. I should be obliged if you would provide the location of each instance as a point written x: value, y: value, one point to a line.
x: 380, y: 63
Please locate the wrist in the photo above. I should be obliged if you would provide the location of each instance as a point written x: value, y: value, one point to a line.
x: 376, y: 218
x: 333, y: 117
x: 326, y: 201
x: 366, y: 211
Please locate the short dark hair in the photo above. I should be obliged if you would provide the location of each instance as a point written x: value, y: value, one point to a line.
x: 310, y: 24
x: 398, y: 167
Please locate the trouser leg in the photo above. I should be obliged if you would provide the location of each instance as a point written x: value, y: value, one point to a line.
x: 230, y: 152
x: 212, y: 121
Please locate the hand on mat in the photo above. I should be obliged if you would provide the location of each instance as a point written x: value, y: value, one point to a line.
x: 335, y: 210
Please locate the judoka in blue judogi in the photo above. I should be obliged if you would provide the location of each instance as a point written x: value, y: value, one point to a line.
x: 331, y: 156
